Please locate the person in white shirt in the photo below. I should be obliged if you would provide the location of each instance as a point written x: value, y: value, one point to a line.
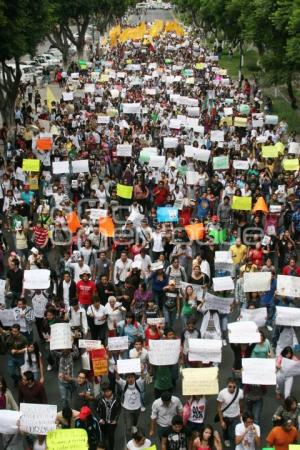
x: 77, y: 320
x: 122, y: 268
x: 229, y: 409
x: 158, y: 243
x: 98, y: 320
x: 138, y: 351
x: 145, y: 263
x: 247, y: 434
x: 114, y: 313
x: 139, y: 442
x: 131, y: 402
x: 78, y: 268
x: 163, y: 411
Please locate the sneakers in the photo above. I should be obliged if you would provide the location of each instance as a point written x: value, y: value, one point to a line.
x: 143, y: 409
x: 269, y: 327
x: 49, y: 368
x: 227, y: 444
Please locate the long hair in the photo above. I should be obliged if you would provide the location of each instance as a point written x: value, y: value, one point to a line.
x: 211, y: 439
x: 36, y: 351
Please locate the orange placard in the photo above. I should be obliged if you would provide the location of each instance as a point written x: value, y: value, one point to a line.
x: 107, y: 226
x: 195, y: 231
x: 73, y: 222
x: 99, y: 361
x: 44, y: 144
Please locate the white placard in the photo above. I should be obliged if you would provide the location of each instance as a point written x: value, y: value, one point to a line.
x: 2, y: 291
x: 60, y: 167
x: 150, y: 150
x: 68, y: 96
x: 189, y: 151
x: 243, y: 333
x: 80, y: 165
x: 156, y: 321
x: 205, y: 350
x: 259, y: 371
x: 157, y: 265
x: 36, y: 279
x: 217, y: 136
x: 289, y: 317
x: 294, y: 148
x: 223, y: 284
x: 175, y: 124
x: 202, y: 155
x: 228, y: 111
x: 271, y: 120
x: 85, y: 361
x: 131, y: 108
x: 124, y: 150
x: 61, y: 336
x: 9, y: 421
x: 191, y: 123
x: 221, y: 304
x: 89, y: 88
x: 96, y: 214
x: 118, y: 343
x: 164, y: 352
x: 198, y: 290
x: 257, y: 123
x: 257, y: 281
x: 223, y: 257
x: 114, y: 93
x: 37, y: 418
x: 199, y: 129
x: 193, y: 111
x: 288, y: 285
x: 259, y: 316
x: 75, y: 75
x: 192, y: 178
x: 290, y: 368
x: 103, y: 120
x: 170, y: 142
x: 129, y: 365
x: 89, y: 344
x: 157, y: 161
x: 7, y: 317
x: 240, y: 165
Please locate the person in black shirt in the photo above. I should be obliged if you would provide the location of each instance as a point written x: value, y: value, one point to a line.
x: 175, y: 437
x: 105, y: 289
x: 14, y: 281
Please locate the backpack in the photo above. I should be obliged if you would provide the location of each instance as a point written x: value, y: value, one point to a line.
x: 125, y: 389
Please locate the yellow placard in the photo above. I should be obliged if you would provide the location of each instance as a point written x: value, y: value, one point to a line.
x: 241, y: 203
x: 294, y: 447
x: 153, y: 447
x: 104, y: 78
x: 74, y: 439
x: 124, y: 191
x: 291, y: 164
x: 200, y: 66
x: 227, y: 119
x: 223, y: 72
x: 280, y: 147
x: 31, y: 165
x: 190, y: 80
x: 269, y: 151
x: 240, y: 122
x: 33, y: 183
x: 203, y: 381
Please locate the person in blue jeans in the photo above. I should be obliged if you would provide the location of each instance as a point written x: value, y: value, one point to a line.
x: 16, y: 343
x: 267, y: 300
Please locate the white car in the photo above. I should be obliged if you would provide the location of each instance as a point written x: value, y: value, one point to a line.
x: 53, y: 60
x: 28, y: 74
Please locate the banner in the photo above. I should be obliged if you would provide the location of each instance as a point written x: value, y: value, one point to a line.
x: 37, y: 418
x: 99, y: 361
x: 124, y: 191
x: 73, y: 439
x: 202, y: 381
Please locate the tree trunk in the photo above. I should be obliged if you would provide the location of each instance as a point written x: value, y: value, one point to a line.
x: 9, y: 86
x: 290, y: 90
x: 8, y: 111
x: 80, y: 48
x: 65, y: 57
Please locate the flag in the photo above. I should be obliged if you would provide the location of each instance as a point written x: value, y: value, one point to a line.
x: 106, y: 226
x: 73, y: 221
x: 195, y: 231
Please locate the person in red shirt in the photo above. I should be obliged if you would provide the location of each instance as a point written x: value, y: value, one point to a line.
x: 160, y: 194
x: 85, y: 290
x: 291, y: 269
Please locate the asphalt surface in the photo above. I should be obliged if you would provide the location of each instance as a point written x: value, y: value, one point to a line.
x: 270, y: 403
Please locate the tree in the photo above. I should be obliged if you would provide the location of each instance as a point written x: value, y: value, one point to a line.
x: 20, y: 33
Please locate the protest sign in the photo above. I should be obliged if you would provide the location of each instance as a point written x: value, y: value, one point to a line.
x: 202, y: 155
x: 37, y: 418
x: 167, y: 214
x: 290, y: 368
x: 2, y: 292
x: 202, y: 381
x: 124, y: 150
x: 9, y: 421
x: 89, y: 344
x: 157, y: 161
x: 223, y: 257
x: 124, y: 191
x: 73, y: 439
x: 289, y: 164
x: 288, y: 285
x: 240, y: 165
x: 221, y: 162
x: 81, y: 165
x: 223, y: 284
x: 195, y: 231
x: 205, y: 350
x: 131, y: 108
x: 68, y: 96
x: 118, y: 343
x: 99, y: 361
x: 60, y: 167
x: 96, y: 213
x: 104, y: 120
x: 257, y: 281
x: 61, y: 337
x: 220, y: 304
x: 243, y: 333
x: 217, y: 136
x: 129, y: 365
x: 289, y: 317
x: 31, y: 165
x: 266, y: 374
x: 198, y: 290
x: 269, y: 151
x: 156, y: 321
x: 175, y: 124
x: 164, y: 352
x: 259, y: 316
x: 294, y: 148
x: 271, y: 119
x: 170, y: 142
x: 32, y: 281
x: 240, y: 122
x: 192, y: 177
x: 241, y: 203
x: 44, y: 143
x: 7, y: 317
